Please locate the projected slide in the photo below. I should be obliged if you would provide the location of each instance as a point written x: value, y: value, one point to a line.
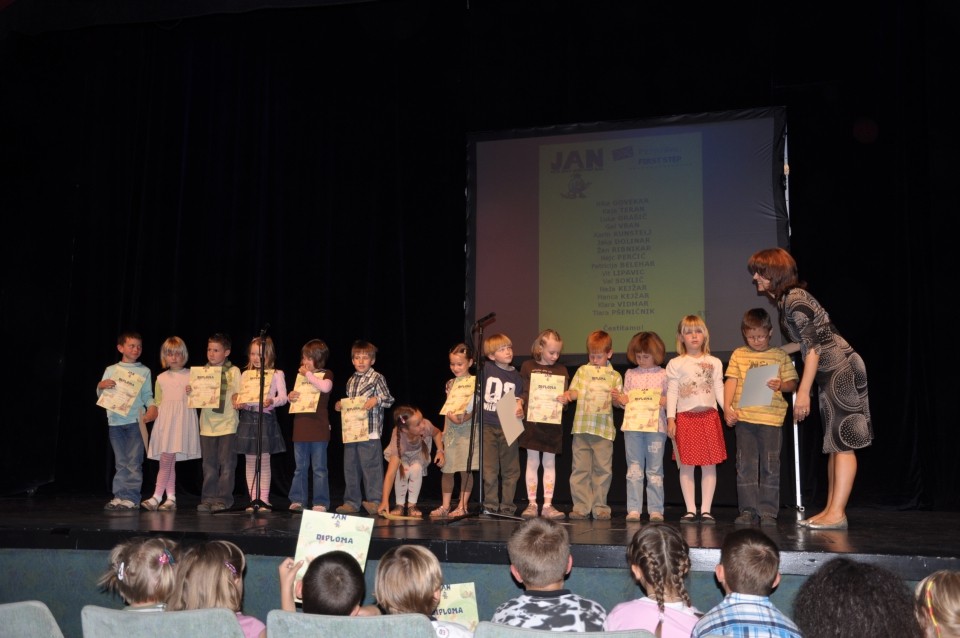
x: 624, y: 229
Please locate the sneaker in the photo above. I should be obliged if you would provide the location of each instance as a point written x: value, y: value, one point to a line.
x: 578, y: 516
x: 530, y: 512
x: 218, y: 507
x: 168, y: 505
x: 296, y: 507
x: 150, y: 504
x: 205, y: 507
x: 371, y: 507
x: 126, y: 505
x: 745, y: 518
x: 549, y: 511
x: 634, y: 516
x: 347, y: 508
x: 656, y: 517
x: 112, y: 505
x: 768, y: 521
x: 319, y: 508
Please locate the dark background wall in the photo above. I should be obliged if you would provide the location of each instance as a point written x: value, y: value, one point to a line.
x: 210, y: 167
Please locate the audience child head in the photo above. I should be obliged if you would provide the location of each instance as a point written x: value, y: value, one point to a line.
x: 539, y: 550
x: 938, y: 604
x: 408, y: 581
x: 848, y: 598
x: 142, y: 571
x: 210, y: 575
x: 749, y: 563
x: 332, y: 585
x: 659, y: 560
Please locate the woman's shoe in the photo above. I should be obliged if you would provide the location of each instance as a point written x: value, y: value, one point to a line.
x: 841, y: 524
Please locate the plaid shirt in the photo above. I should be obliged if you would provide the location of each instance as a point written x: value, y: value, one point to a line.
x: 746, y: 616
x: 371, y: 384
x: 594, y: 413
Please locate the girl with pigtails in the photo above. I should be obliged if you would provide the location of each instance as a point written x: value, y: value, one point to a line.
x: 408, y: 456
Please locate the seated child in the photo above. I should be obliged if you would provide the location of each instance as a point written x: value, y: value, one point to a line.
x: 749, y: 570
x: 211, y: 575
x: 540, y: 560
x: 659, y: 560
x: 142, y: 571
x: 333, y: 585
x: 408, y: 581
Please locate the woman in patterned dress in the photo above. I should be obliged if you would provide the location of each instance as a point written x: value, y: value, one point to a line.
x: 837, y: 368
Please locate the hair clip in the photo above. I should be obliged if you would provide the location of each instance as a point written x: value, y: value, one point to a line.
x: 403, y: 419
x: 120, y: 570
x: 933, y: 618
x: 166, y: 558
x: 233, y: 570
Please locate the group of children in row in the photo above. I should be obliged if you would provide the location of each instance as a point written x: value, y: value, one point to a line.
x: 843, y: 597
x: 689, y: 390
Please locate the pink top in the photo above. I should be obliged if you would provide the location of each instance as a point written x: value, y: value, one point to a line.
x: 642, y: 613
x: 252, y: 628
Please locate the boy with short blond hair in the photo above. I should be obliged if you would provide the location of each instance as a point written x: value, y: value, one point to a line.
x: 501, y: 460
x: 124, y: 429
x: 593, y: 387
x: 363, y: 460
x: 540, y: 560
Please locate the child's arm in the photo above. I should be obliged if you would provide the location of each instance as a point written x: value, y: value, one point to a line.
x: 278, y: 391
x: 440, y: 457
x: 729, y: 390
x: 288, y: 576
x: 389, y: 476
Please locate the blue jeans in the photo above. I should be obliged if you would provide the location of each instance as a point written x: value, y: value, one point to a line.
x: 644, y: 452
x: 127, y: 444
x: 363, y: 461
x: 758, y: 468
x: 219, y: 468
x: 305, y: 454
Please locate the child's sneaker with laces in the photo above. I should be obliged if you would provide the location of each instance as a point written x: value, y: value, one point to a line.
x: 530, y: 512
x: 549, y: 511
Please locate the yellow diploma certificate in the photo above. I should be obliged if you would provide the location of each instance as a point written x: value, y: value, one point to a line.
x: 250, y: 385
x: 597, y: 399
x: 544, y: 390
x: 204, y: 387
x: 322, y: 532
x: 353, y: 419
x: 460, y: 395
x: 458, y: 603
x: 642, y: 413
x: 309, y: 396
x: 120, y: 398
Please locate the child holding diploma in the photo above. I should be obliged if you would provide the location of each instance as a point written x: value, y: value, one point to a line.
x: 644, y: 424
x: 758, y: 425
x: 594, y: 386
x: 311, y: 429
x: 457, y: 426
x: 176, y: 434
x: 127, y: 406
x: 362, y: 419
x: 545, y: 380
x: 262, y: 357
x: 694, y: 390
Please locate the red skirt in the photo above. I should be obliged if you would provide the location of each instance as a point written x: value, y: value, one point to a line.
x: 700, y: 438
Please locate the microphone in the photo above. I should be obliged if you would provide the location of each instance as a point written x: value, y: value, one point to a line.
x: 485, y: 318
x: 263, y: 331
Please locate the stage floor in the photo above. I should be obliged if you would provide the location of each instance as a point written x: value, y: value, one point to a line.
x: 911, y: 543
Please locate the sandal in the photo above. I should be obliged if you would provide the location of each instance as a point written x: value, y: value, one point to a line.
x: 706, y: 518
x: 689, y: 517
x: 413, y: 510
x: 460, y: 511
x: 397, y: 511
x: 441, y: 512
